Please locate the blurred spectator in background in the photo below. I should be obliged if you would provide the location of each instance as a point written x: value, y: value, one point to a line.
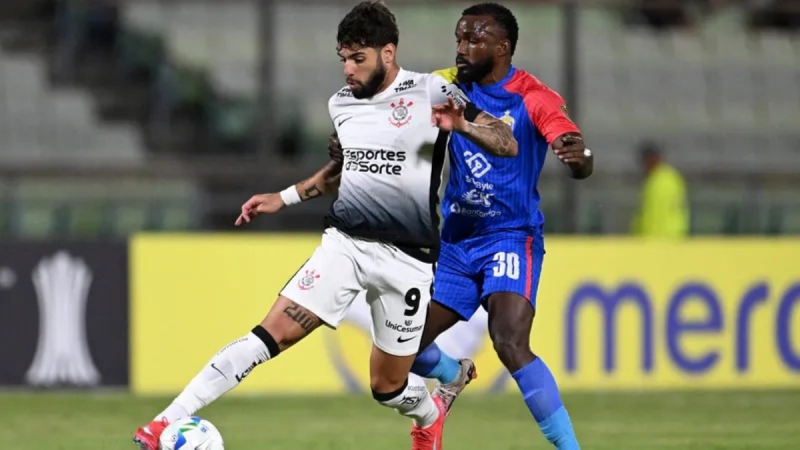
x: 663, y: 210
x: 782, y: 14
x: 660, y: 13
x: 665, y: 14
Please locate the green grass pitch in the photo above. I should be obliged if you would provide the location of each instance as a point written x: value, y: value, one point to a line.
x: 604, y: 421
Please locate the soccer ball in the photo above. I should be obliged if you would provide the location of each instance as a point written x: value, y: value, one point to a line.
x: 191, y: 433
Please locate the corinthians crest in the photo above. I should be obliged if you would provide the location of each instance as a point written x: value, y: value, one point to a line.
x: 400, y: 113
x: 62, y: 285
x: 306, y: 282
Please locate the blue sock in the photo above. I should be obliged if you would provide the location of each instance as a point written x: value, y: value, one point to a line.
x: 434, y: 363
x: 540, y: 392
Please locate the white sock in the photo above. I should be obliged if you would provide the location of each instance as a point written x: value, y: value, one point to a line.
x: 413, y: 401
x: 224, y: 372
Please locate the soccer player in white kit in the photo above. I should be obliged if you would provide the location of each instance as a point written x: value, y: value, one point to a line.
x: 382, y: 235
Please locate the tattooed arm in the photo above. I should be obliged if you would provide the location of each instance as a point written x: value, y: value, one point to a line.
x: 454, y: 112
x: 324, y: 182
x: 491, y: 134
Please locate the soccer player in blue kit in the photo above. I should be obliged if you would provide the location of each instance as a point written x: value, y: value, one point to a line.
x: 492, y: 245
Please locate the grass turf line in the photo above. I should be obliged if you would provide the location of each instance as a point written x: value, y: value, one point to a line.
x: 604, y: 421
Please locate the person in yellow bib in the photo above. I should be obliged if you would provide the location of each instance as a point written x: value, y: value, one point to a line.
x: 664, y: 207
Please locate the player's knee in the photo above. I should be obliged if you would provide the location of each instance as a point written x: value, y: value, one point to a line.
x: 383, y: 391
x: 513, y: 350
x: 387, y: 382
x: 507, y: 348
x: 510, y: 321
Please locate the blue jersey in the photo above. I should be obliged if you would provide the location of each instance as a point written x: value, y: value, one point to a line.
x: 487, y: 193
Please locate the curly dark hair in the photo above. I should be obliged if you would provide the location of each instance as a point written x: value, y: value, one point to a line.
x: 370, y: 24
x: 501, y: 15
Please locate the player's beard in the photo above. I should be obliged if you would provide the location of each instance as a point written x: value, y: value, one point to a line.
x: 474, y: 72
x: 373, y: 83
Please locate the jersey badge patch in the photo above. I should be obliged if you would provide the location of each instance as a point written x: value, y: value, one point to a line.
x: 306, y: 282
x: 508, y: 119
x: 401, y: 114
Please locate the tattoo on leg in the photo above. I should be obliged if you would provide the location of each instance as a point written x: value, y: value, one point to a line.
x: 306, y: 321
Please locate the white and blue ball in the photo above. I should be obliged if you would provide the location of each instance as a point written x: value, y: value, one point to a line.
x: 191, y: 433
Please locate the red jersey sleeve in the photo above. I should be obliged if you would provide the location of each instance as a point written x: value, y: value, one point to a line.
x: 548, y: 111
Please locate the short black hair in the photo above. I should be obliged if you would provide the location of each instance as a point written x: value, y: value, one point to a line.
x: 649, y: 149
x: 501, y: 15
x: 369, y: 24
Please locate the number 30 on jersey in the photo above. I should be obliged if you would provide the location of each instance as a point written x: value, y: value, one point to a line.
x: 507, y: 265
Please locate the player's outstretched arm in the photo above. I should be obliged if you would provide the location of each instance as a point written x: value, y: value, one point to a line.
x: 491, y: 134
x: 325, y: 181
x: 571, y: 150
x: 548, y: 112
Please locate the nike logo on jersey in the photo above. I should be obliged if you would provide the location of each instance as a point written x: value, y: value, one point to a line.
x: 344, y: 120
x: 400, y: 340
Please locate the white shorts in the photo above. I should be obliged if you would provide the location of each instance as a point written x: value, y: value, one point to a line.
x: 398, y: 288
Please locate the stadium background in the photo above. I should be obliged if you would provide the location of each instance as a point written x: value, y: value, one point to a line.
x: 130, y: 133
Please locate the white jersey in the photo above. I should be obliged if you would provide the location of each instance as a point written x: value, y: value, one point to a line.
x: 387, y: 191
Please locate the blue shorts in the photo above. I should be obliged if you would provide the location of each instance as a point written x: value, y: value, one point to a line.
x: 471, y: 270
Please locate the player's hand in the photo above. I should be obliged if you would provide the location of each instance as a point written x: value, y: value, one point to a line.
x: 259, y: 204
x: 335, y: 149
x: 570, y: 150
x: 449, y: 116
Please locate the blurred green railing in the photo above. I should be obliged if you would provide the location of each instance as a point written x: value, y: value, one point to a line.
x: 71, y: 202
